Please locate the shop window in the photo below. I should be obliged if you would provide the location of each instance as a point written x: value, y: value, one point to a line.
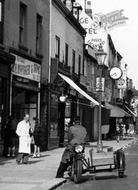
x: 2, y: 103
x: 57, y: 47
x: 23, y: 25
x: 1, y: 100
x: 23, y: 101
x: 38, y: 34
x: 1, y: 21
x: 66, y: 53
x: 79, y: 65
x: 73, y: 61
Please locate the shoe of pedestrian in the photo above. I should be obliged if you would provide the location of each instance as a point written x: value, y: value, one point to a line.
x: 38, y: 155
x: 34, y: 156
x: 8, y: 155
x: 13, y: 155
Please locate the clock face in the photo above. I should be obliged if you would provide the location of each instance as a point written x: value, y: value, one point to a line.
x: 115, y: 73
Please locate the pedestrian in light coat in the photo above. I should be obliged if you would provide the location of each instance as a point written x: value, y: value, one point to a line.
x: 23, y: 131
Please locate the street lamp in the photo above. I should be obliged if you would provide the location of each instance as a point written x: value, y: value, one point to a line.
x: 100, y: 55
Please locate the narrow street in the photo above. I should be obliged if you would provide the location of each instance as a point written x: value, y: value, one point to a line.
x: 110, y: 180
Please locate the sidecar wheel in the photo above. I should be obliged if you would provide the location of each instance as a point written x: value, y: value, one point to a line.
x: 121, y: 163
x: 78, y: 171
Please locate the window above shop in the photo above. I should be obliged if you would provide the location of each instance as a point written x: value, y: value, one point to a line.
x: 57, y: 54
x: 1, y: 21
x: 39, y: 34
x: 23, y: 27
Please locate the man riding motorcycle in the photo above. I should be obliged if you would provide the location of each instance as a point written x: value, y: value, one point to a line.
x: 76, y: 135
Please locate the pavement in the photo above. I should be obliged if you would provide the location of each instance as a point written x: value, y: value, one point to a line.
x: 39, y: 173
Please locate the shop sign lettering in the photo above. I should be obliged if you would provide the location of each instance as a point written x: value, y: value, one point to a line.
x: 99, y: 24
x: 26, y: 69
x: 112, y: 19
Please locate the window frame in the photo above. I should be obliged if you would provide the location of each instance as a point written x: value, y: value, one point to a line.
x: 66, y: 54
x: 39, y: 19
x: 1, y: 20
x: 73, y: 60
x: 57, y: 52
x: 79, y: 64
x: 23, y: 24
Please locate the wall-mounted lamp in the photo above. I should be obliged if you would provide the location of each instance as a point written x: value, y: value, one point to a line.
x: 62, y: 98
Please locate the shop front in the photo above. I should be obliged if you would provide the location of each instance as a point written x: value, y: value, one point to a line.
x: 81, y: 104
x: 117, y: 115
x: 5, y: 69
x: 25, y: 89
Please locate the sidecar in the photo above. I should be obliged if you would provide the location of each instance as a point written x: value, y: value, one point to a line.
x: 107, y: 161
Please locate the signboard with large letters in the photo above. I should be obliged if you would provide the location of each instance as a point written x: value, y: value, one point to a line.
x: 100, y: 84
x: 98, y: 24
x: 26, y: 69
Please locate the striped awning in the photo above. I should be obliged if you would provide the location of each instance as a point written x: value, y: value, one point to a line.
x: 130, y: 111
x: 77, y: 88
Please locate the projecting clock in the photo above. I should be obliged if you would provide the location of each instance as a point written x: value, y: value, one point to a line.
x: 115, y: 73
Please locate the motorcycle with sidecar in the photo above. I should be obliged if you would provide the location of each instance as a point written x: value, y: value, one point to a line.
x: 97, y: 162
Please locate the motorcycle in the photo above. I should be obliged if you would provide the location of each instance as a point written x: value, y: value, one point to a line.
x: 76, y: 169
x: 80, y: 164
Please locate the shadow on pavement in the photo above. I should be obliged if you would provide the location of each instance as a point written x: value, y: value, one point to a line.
x: 4, y: 162
x: 95, y: 177
x: 34, y: 161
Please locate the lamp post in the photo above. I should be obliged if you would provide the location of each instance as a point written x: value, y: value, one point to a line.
x: 100, y: 55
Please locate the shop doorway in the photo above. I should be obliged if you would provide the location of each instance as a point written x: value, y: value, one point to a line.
x: 2, y: 104
x: 24, y: 101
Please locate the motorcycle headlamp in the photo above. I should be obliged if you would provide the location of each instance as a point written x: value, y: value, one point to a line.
x: 79, y: 148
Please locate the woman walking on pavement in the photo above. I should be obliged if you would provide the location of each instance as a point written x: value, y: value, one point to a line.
x: 10, y: 136
x: 37, y: 138
x: 23, y: 131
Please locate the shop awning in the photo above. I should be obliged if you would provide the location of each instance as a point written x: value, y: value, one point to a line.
x: 134, y: 114
x: 116, y: 111
x: 77, y: 88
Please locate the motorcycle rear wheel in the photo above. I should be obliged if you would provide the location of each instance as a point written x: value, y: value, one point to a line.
x: 78, y: 168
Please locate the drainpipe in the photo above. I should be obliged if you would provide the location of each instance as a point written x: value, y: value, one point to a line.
x: 49, y: 75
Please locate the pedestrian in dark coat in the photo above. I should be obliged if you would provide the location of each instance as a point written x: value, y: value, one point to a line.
x: 37, y: 138
x: 10, y: 136
x: 77, y: 135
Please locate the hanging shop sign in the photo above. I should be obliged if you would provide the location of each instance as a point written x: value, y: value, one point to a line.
x: 100, y: 84
x: 26, y: 69
x: 111, y: 20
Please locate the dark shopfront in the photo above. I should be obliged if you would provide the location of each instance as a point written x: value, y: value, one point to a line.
x: 62, y: 112
x: 25, y: 89
x: 5, y: 69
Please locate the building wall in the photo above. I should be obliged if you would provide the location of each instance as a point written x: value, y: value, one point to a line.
x: 67, y: 34
x: 11, y: 29
x: 11, y: 41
